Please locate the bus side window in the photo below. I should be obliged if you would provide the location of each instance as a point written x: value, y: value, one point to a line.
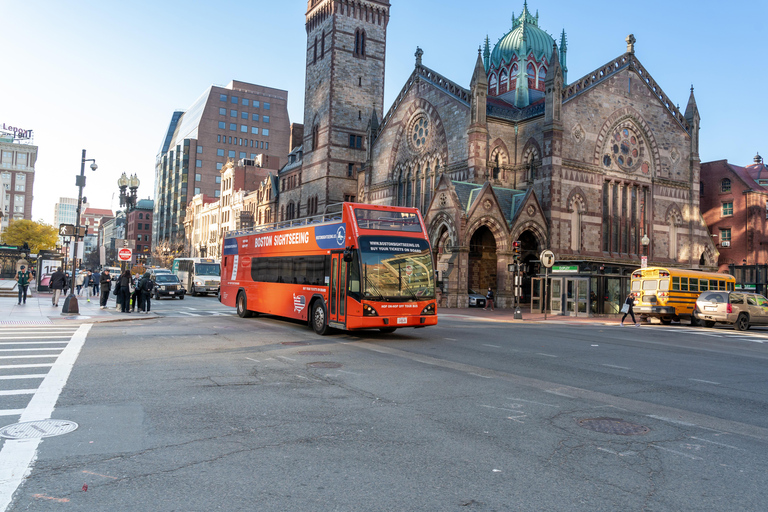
x: 676, y: 284
x: 730, y: 287
x: 703, y: 285
x: 693, y: 284
x: 683, y: 284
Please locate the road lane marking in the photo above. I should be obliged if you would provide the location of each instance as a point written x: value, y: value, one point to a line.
x: 705, y: 381
x: 28, y: 357
x: 481, y: 376
x: 188, y: 314
x: 498, y: 408
x: 677, y: 452
x: 99, y: 474
x: 17, y: 343
x: 718, y: 444
x: 532, y: 402
x: 15, y: 366
x: 29, y: 349
x: 11, y: 412
x: 558, y: 393
x: 67, y: 336
x: 23, y: 376
x: 451, y: 339
x: 254, y: 360
x: 545, y: 355
x: 11, y: 392
x: 18, y: 455
x: 616, y: 366
x: 670, y: 420
x: 489, y: 345
x: 612, y: 452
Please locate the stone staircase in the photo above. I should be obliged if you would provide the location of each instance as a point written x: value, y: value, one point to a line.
x: 8, y: 288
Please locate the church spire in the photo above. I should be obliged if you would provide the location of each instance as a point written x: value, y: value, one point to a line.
x: 522, y: 98
x: 487, y: 54
x: 563, y: 50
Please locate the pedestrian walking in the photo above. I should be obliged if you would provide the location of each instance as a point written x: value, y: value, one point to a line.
x: 125, y: 291
x: 104, y: 285
x: 627, y: 309
x: 135, y: 294
x: 87, y: 285
x: 57, y: 285
x: 67, y: 283
x: 145, y: 289
x: 79, y: 279
x: 23, y: 277
x: 96, y: 283
x: 489, y: 299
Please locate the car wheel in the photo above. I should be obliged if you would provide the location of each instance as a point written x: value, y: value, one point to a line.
x: 319, y: 322
x: 709, y: 323
x: 181, y: 297
x: 742, y: 323
x: 387, y: 330
x: 242, y: 306
x: 666, y: 321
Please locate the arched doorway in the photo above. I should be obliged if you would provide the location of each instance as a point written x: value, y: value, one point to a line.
x: 482, y: 261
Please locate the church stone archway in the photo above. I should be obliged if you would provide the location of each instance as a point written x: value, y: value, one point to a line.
x: 482, y: 261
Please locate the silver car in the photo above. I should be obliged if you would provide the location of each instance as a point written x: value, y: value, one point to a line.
x: 741, y: 309
x: 476, y: 300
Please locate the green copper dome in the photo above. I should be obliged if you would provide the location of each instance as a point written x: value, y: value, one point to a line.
x: 526, y: 29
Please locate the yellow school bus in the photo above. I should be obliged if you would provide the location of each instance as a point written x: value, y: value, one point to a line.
x: 670, y: 293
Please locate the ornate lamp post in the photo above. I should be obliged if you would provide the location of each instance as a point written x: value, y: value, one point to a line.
x: 70, y: 303
x: 128, y: 200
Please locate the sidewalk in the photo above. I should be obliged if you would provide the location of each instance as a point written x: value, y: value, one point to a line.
x: 39, y: 311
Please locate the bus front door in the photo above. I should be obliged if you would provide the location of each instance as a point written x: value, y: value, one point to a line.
x: 338, y: 298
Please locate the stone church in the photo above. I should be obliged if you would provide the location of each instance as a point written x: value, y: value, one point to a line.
x: 602, y: 170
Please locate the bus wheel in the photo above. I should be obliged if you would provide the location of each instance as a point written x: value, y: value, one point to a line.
x: 387, y: 330
x: 665, y: 320
x: 709, y: 324
x: 742, y: 323
x: 242, y: 306
x: 319, y: 323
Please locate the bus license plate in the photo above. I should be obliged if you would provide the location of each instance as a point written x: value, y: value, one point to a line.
x: 402, y: 320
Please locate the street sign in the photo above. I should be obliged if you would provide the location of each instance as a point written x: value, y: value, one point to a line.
x: 124, y: 254
x: 547, y: 258
x: 66, y: 230
x: 643, y: 261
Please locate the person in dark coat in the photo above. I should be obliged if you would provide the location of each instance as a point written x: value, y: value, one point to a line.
x: 96, y: 283
x: 23, y: 277
x: 630, y: 302
x: 105, y: 283
x: 145, y: 291
x: 489, y: 300
x: 125, y: 291
x: 57, y: 285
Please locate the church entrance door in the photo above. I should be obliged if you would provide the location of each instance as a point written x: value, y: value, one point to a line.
x: 482, y: 261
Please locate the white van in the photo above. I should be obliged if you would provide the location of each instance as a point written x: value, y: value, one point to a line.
x: 198, y: 275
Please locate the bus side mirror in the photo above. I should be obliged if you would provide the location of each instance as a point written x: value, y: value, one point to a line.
x: 348, y: 255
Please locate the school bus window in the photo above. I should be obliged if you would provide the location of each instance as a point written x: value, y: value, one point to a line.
x: 635, y: 286
x: 676, y: 283
x: 683, y: 284
x: 649, y: 285
x: 664, y: 285
x: 721, y: 285
x: 703, y: 285
x: 693, y: 284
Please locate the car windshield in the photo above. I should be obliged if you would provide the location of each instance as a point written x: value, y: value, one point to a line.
x: 207, y: 269
x: 166, y: 278
x: 397, y: 268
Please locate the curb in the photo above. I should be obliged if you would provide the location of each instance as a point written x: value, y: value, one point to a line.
x: 63, y: 320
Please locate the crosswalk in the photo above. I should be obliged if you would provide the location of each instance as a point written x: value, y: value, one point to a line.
x: 28, y: 353
x: 181, y: 312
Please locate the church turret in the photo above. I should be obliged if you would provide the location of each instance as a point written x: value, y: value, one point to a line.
x: 553, y: 92
x: 693, y: 119
x: 563, y: 50
x: 487, y: 54
x: 477, y: 134
x: 522, y: 99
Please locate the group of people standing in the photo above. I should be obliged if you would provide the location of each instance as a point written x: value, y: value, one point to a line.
x: 130, y: 297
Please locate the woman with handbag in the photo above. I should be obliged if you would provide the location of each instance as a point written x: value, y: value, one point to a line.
x: 627, y: 309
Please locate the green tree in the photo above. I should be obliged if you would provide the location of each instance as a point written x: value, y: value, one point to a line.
x: 38, y: 235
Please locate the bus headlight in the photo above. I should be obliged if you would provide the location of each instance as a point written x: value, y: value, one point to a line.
x: 429, y: 310
x: 369, y: 311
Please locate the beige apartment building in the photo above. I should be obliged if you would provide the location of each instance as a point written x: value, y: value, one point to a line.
x: 17, y: 175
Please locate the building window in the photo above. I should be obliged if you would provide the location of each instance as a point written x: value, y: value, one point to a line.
x: 233, y: 127
x: 254, y: 117
x: 725, y: 185
x: 231, y: 153
x: 141, y: 215
x: 267, y: 106
x: 355, y: 141
x: 243, y: 129
x: 242, y: 154
x: 218, y: 179
x: 218, y: 138
x: 217, y: 193
x: 244, y: 115
x: 349, y: 198
x: 222, y: 125
x: 199, y: 150
x: 198, y: 177
x: 727, y: 209
x: 197, y: 190
x: 350, y: 170
x: 219, y: 165
x: 267, y: 145
x: 245, y: 102
x: 255, y: 104
x: 219, y: 152
x: 222, y: 111
x: 234, y: 100
x: 233, y: 113
x: 198, y: 163
x: 266, y: 119
x: 222, y: 97
x: 265, y: 132
x: 725, y: 236
x: 254, y: 130
x: 360, y: 43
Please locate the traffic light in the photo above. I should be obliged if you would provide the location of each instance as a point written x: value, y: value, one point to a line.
x: 516, y: 250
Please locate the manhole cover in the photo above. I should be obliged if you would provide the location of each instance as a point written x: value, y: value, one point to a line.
x: 324, y: 364
x: 295, y: 343
x: 613, y: 426
x: 314, y: 353
x: 37, y: 429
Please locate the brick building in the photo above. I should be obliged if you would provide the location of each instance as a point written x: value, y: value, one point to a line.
x: 734, y: 204
x: 138, y: 227
x: 585, y: 169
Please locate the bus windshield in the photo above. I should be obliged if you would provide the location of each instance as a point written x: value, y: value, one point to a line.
x: 396, y: 268
x: 207, y: 269
x: 387, y: 220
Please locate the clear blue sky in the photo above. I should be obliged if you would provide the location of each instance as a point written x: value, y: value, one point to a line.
x: 106, y: 76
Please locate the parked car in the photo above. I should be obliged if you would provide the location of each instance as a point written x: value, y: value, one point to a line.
x: 168, y: 285
x: 741, y: 309
x: 155, y: 271
x: 476, y: 299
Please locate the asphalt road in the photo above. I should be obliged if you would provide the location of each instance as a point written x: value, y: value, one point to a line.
x: 201, y: 410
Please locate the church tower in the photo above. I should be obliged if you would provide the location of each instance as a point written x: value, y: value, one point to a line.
x: 344, y: 90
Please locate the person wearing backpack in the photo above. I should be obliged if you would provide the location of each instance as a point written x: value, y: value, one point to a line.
x: 145, y: 287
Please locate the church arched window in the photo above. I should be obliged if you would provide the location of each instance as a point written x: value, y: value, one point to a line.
x: 515, y: 69
x: 419, y: 178
x: 531, y: 70
x: 408, y: 190
x: 493, y: 83
x: 504, y: 81
x: 400, y: 190
x: 360, y: 43
x: 542, y: 73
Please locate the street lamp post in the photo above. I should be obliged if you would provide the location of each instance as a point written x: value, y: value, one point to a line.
x: 70, y: 303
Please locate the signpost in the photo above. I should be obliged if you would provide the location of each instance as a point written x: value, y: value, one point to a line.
x: 125, y: 254
x: 547, y: 259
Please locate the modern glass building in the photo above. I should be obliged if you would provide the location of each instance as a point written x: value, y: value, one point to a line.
x: 238, y: 121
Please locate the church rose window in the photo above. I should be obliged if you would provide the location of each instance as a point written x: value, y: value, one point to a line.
x: 419, y: 132
x: 625, y: 149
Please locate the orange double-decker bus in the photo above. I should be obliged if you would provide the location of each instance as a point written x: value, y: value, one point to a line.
x: 367, y: 267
